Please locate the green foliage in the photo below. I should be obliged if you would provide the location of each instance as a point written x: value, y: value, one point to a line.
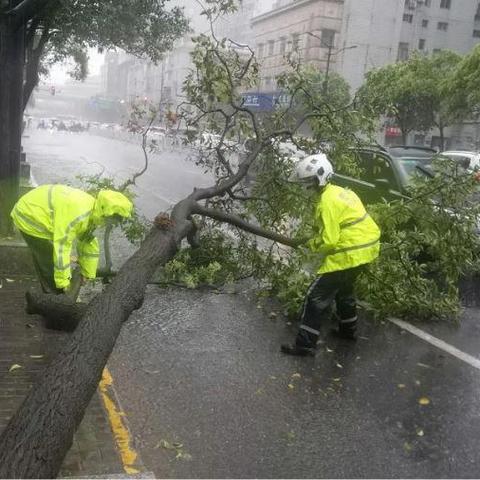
x: 217, y: 261
x: 416, y: 92
x: 428, y: 242
x: 465, y: 85
x: 144, y: 28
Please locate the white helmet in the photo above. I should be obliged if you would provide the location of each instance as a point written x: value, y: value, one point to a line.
x: 313, y: 166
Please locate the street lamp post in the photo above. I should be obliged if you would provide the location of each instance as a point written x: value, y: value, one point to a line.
x: 330, y: 54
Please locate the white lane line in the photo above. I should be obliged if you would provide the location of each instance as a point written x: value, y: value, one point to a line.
x: 446, y: 347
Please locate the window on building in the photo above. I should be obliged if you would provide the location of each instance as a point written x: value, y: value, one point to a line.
x: 477, y: 15
x: 328, y: 38
x: 260, y: 50
x: 442, y: 26
x: 424, y: 23
x: 436, y: 50
x: 428, y: 3
x: 295, y: 41
x: 445, y: 4
x: 421, y: 44
x: 402, y: 51
x: 271, y: 47
x: 408, y: 17
x: 476, y: 33
x: 283, y: 45
x: 410, y: 4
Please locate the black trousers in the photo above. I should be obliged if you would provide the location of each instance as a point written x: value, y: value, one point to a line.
x: 42, y: 252
x: 334, y: 286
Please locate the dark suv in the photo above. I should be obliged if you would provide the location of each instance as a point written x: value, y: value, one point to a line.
x: 386, y: 174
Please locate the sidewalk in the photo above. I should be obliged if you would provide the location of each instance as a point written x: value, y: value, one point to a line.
x: 26, y: 347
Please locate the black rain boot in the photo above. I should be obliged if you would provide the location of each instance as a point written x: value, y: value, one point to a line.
x: 346, y: 330
x: 304, y: 346
x: 298, y: 350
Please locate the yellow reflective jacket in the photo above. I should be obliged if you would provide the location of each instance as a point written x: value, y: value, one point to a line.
x: 64, y: 214
x: 346, y: 236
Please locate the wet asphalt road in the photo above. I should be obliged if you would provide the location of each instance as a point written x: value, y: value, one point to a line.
x: 60, y: 157
x: 203, y: 370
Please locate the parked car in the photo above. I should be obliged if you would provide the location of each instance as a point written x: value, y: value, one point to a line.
x: 468, y: 160
x: 386, y: 174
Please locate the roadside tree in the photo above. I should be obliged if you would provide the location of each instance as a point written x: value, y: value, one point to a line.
x: 35, y: 34
x: 415, y: 93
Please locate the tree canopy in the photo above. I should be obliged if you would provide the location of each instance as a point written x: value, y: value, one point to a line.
x: 416, y: 92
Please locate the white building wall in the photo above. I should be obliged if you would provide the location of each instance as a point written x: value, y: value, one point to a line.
x: 460, y: 19
x: 370, y: 35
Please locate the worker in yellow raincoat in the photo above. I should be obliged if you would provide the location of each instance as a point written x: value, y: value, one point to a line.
x: 346, y: 239
x: 52, y: 218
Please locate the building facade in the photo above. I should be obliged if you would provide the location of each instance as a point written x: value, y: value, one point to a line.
x: 309, y: 27
x: 353, y: 37
x: 386, y: 31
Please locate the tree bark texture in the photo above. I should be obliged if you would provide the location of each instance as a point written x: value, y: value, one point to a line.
x: 12, y: 51
x: 59, y: 311
x: 37, y: 438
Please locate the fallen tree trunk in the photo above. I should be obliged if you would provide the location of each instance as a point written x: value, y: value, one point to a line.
x: 37, y: 438
x: 60, y: 311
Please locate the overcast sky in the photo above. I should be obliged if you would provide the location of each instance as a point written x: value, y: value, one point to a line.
x: 59, y: 75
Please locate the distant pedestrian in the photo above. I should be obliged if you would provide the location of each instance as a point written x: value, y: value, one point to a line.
x: 52, y: 217
x: 346, y: 239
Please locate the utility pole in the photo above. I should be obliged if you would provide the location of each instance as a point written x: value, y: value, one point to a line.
x: 330, y: 54
x: 327, y: 70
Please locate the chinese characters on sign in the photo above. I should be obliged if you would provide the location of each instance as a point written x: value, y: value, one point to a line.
x: 265, y: 101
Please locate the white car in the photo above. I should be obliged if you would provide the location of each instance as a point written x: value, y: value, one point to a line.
x: 468, y: 160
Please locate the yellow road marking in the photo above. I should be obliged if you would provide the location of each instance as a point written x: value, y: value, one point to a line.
x: 120, y: 431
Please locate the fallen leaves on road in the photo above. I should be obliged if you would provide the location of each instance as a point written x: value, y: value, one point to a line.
x: 14, y: 367
x: 291, y: 436
x: 329, y: 350
x: 424, y: 401
x: 296, y: 375
x: 177, y: 447
x: 401, y: 385
x: 339, y: 366
x: 420, y: 432
x: 291, y: 386
x: 424, y: 365
x: 36, y: 356
x: 9, y: 280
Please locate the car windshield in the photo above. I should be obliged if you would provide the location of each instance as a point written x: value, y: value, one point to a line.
x: 415, y: 165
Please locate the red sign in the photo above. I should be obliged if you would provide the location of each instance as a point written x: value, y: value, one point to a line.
x: 393, y: 132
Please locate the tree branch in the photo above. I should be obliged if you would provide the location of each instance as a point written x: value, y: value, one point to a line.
x: 246, y: 226
x: 26, y: 10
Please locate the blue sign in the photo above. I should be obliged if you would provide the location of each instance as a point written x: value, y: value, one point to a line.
x: 265, y: 102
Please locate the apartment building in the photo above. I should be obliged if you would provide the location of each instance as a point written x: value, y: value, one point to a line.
x: 308, y: 27
x: 386, y: 31
x: 356, y: 36
x: 365, y: 34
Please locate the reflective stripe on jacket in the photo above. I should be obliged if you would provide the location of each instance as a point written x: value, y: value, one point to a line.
x: 346, y: 235
x: 60, y: 214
